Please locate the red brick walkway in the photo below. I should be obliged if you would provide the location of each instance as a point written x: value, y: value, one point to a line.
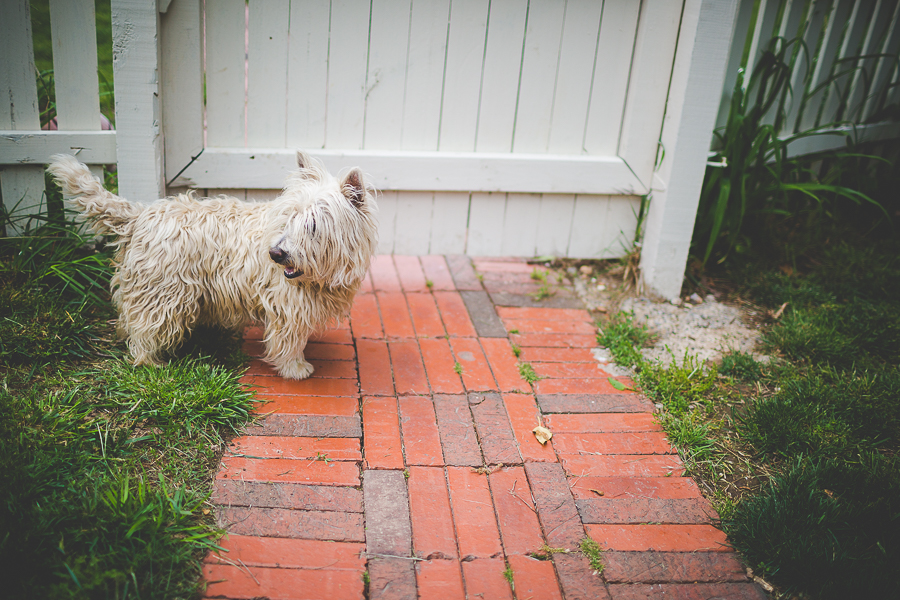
x: 409, y: 455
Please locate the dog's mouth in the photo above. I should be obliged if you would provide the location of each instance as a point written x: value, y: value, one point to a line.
x: 291, y: 272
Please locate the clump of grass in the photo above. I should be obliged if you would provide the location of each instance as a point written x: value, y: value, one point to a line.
x: 458, y: 368
x: 527, y: 373
x: 679, y: 386
x: 623, y: 338
x: 516, y: 350
x: 508, y: 575
x: 741, y: 366
x: 593, y: 552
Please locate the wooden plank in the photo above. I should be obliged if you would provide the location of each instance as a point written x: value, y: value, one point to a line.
x: 554, y: 224
x: 855, y: 31
x: 540, y: 59
x: 871, y: 45
x: 486, y: 216
x: 500, y: 79
x: 412, y: 229
x: 609, y: 84
x: 812, y: 33
x: 386, y: 79
x: 182, y: 84
x: 741, y: 33
x: 267, y: 73
x: 831, y: 38
x: 262, y: 195
x: 462, y: 75
x: 231, y: 193
x: 425, y: 74
x: 573, y: 83
x: 449, y: 223
x: 387, y: 221
x: 36, y: 147
x: 226, y: 22
x: 885, y: 65
x: 588, y: 218
x: 520, y: 225
x: 423, y: 171
x: 74, y: 34
x: 618, y: 229
x: 307, y: 74
x: 348, y: 51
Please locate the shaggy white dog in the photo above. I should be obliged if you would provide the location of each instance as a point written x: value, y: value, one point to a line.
x: 294, y: 263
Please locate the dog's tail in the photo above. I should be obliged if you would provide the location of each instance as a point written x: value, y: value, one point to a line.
x: 106, y: 212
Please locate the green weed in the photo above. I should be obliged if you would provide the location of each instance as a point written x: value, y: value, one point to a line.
x: 593, y: 552
x: 508, y: 575
x: 741, y: 366
x: 678, y: 387
x: 458, y: 368
x: 527, y: 373
x: 623, y: 338
x: 516, y: 350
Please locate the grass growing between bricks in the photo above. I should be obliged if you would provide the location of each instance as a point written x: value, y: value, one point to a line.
x: 107, y: 468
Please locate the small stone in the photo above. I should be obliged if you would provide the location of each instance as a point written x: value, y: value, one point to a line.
x: 658, y: 405
x: 571, y: 270
x: 696, y: 299
x: 710, y: 298
x: 601, y: 287
x: 585, y: 270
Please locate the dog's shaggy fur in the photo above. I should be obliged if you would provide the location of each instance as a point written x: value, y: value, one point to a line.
x: 294, y: 263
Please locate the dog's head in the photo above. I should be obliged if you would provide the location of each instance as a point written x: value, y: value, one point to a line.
x: 330, y: 227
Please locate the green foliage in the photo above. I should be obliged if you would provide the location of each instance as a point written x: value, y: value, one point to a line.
x: 527, y: 373
x: 623, y: 338
x: 677, y: 387
x: 741, y: 366
x: 593, y: 552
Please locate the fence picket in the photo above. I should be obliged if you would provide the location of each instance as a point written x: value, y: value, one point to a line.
x: 225, y: 70
x: 267, y: 73
x: 307, y: 74
x: 449, y: 221
x: 425, y: 74
x: 347, y: 54
x: 386, y: 78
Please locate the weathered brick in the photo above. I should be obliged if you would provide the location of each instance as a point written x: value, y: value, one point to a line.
x: 375, y: 375
x: 484, y: 579
x: 455, y: 314
x: 391, y: 579
x: 623, y: 465
x: 481, y: 311
x: 332, y: 336
x: 578, y: 579
x: 271, y: 386
x: 421, y: 440
x: 458, y: 439
x: 524, y: 416
x: 687, y: 591
x: 594, y: 403
x: 562, y: 298
x: 384, y: 274
x: 645, y: 442
x: 555, y: 505
x: 286, y: 523
x: 365, y: 320
x: 388, y: 529
x: 409, y: 370
x: 536, y: 354
x: 439, y: 366
x: 336, y: 369
x: 367, y: 287
x: 395, y: 315
x: 576, y: 386
x: 516, y: 513
x: 412, y: 279
x: 578, y: 370
x: 320, y: 351
x: 297, y: 448
x: 287, y: 495
x: 437, y: 271
x: 498, y: 442
x: 382, y: 437
x: 439, y: 580
x: 602, y: 423
x: 544, y: 314
x: 316, y: 472
x: 425, y: 316
x: 476, y: 373
x: 672, y: 567
x: 287, y: 553
x: 662, y: 538
x: 462, y: 272
x: 534, y: 578
x: 553, y: 340
x: 308, y: 405
x: 473, y: 513
x: 550, y: 325
x: 504, y: 365
x: 281, y: 584
x: 644, y: 510
x: 432, y: 521
x: 307, y: 426
x: 635, y: 487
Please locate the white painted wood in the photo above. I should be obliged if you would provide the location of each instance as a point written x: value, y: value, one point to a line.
x: 21, y: 187
x: 226, y: 22
x: 813, y: 29
x: 182, y: 72
x: 135, y: 29
x: 619, y: 228
x: 609, y: 84
x: 589, y: 216
x: 697, y: 77
x: 741, y: 34
x: 425, y: 74
x: 74, y: 35
x: 386, y: 79
x: 648, y: 85
x: 36, y: 147
x: 449, y: 223
x: 486, y: 216
x: 884, y: 65
x: 856, y: 29
x: 573, y: 83
x: 837, y: 19
x: 540, y: 59
x: 231, y: 193
x: 411, y: 230
x: 267, y: 73
x: 387, y: 221
x: 348, y: 50
x: 838, y: 139
x: 262, y: 195
x: 424, y: 171
x: 462, y: 76
x: 307, y: 74
x: 554, y: 225
x: 520, y: 225
x: 870, y: 46
x: 500, y: 79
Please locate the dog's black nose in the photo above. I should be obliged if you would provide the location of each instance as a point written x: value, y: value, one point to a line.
x: 278, y: 255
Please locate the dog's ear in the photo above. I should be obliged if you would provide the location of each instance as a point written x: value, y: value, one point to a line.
x: 305, y: 163
x: 353, y: 187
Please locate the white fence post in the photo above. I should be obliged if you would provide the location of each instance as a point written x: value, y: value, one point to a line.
x: 694, y: 93
x: 135, y: 28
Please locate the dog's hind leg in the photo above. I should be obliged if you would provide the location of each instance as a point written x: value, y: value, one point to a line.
x: 284, y: 350
x: 154, y: 328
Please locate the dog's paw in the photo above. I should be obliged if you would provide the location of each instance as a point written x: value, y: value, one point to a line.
x: 299, y: 369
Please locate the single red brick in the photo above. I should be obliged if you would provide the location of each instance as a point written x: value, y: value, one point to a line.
x: 425, y: 315
x: 635, y: 487
x: 366, y: 287
x: 382, y: 433
x: 322, y: 351
x: 439, y: 365
x: 383, y: 274
x: 687, y: 591
x: 594, y: 403
x: 365, y: 320
x: 677, y: 567
x: 504, y: 365
x: 524, y: 416
x: 312, y: 471
x: 578, y: 579
x: 473, y: 513
x: 286, y: 523
x: 534, y: 578
x: 287, y: 495
x: 464, y: 275
x: 409, y: 371
x: 395, y: 315
x: 333, y: 336
x: 308, y: 405
x: 258, y: 446
x: 484, y: 579
x: 662, y: 538
x: 307, y: 426
x: 421, y: 439
x: 254, y: 348
x: 412, y: 279
x: 646, y: 442
x: 388, y: 529
x: 326, y: 369
x: 476, y: 373
x: 254, y: 332
x: 437, y: 272
x: 550, y: 326
x: 555, y: 505
x: 391, y: 579
x: 498, y: 442
x: 375, y: 376
x: 516, y: 513
x: 455, y: 314
x: 543, y: 314
x: 602, y: 423
x: 691, y: 511
x: 536, y: 355
x: 570, y: 370
x: 287, y: 553
x: 458, y: 439
x: 503, y: 265
x: 575, y: 386
x: 439, y: 580
x: 554, y: 340
x: 623, y: 465
x: 272, y: 386
x: 432, y: 521
x: 281, y: 584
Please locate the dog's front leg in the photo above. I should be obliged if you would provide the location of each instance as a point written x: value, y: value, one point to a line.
x: 284, y: 350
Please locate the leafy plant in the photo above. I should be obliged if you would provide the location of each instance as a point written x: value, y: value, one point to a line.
x: 623, y: 338
x: 527, y: 373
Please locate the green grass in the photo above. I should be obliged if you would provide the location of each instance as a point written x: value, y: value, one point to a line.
x: 593, y: 552
x: 623, y: 338
x: 527, y: 373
